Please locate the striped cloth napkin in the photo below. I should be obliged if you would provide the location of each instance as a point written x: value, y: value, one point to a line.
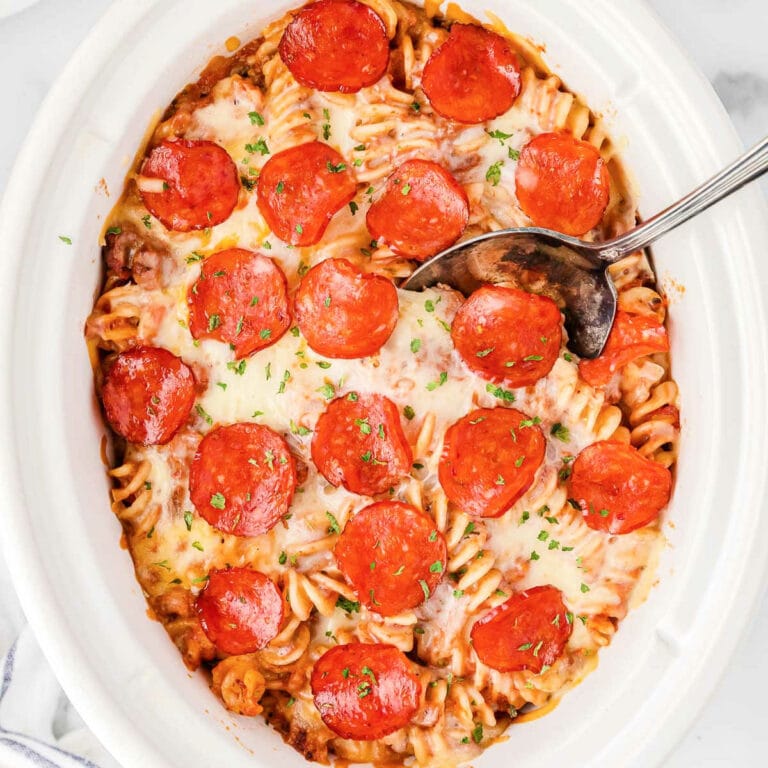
x: 39, y: 728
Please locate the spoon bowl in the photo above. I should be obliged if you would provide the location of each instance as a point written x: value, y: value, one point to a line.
x: 570, y: 271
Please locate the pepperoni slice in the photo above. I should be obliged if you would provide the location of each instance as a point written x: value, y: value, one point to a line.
x: 423, y: 210
x: 336, y: 45
x: 490, y: 457
x: 365, y: 691
x: 299, y: 190
x: 344, y: 312
x: 200, y: 184
x: 240, y: 610
x: 473, y: 76
x: 528, y: 631
x: 617, y: 489
x: 632, y: 336
x: 242, y: 479
x: 240, y: 298
x: 359, y: 443
x: 148, y: 394
x: 393, y: 556
x: 562, y: 183
x: 505, y: 333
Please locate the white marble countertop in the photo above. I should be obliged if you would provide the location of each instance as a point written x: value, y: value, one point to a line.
x: 726, y: 38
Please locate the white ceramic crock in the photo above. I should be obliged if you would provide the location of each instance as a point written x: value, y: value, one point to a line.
x: 61, y: 540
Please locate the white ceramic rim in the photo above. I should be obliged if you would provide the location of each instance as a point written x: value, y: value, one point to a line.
x: 656, y: 731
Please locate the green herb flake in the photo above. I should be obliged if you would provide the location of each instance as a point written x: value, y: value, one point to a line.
x: 333, y: 523
x: 218, y: 501
x: 502, y: 394
x: 436, y: 567
x: 477, y: 733
x: 256, y: 118
x: 353, y: 206
x: 237, y: 366
x: 114, y: 230
x: 484, y: 352
x: 335, y: 168
x: 534, y: 555
x: 424, y: 588
x: 197, y: 545
x: 415, y: 345
x: 259, y: 146
x: 408, y: 412
x: 203, y: 415
x: 327, y: 391
x: 584, y: 587
x: 493, y: 174
x: 188, y: 519
x: 559, y: 432
x: 514, y: 154
x: 214, y: 321
x: 147, y: 221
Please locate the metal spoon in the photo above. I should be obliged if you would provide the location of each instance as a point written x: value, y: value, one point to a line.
x: 571, y: 271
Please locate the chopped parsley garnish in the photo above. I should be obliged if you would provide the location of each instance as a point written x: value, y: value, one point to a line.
x: 493, y: 174
x: 560, y: 432
x: 436, y: 567
x: 408, y: 412
x: 500, y: 135
x: 259, y: 146
x: 415, y: 345
x: 484, y: 352
x: 218, y: 501
x: 333, y: 526
x: 424, y: 588
x: 327, y: 391
x: 214, y: 321
x: 256, y: 118
x: 237, y: 366
x: 188, y: 519
x: 335, y: 168
x: 202, y: 414
x: 433, y: 385
x: 502, y: 394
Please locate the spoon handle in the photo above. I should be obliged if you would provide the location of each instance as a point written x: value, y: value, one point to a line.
x: 752, y: 164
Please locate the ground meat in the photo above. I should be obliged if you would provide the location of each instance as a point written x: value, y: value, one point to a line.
x: 129, y: 254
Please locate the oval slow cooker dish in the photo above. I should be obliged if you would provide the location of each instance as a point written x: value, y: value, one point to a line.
x: 60, y: 537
